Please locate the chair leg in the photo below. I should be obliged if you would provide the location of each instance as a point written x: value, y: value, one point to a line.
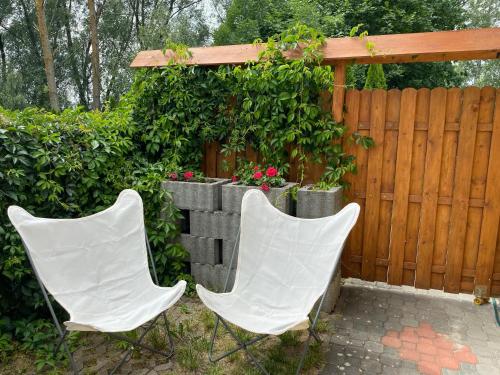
x: 241, y: 345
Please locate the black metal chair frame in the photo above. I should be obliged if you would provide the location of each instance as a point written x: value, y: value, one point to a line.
x: 134, y: 343
x: 243, y: 345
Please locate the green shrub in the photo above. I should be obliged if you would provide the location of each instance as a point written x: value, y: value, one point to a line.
x: 375, y: 77
x: 74, y: 164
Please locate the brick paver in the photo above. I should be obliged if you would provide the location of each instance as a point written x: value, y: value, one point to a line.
x: 417, y: 332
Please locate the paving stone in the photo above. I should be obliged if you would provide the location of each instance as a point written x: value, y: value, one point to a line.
x: 375, y: 347
x: 487, y: 369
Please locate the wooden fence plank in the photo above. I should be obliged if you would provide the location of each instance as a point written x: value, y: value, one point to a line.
x: 465, y: 157
x: 370, y: 235
x: 353, y: 245
x: 393, y: 106
x: 491, y: 212
x: 450, y: 142
x: 416, y: 182
x: 431, y: 188
x: 402, y: 187
x: 478, y: 186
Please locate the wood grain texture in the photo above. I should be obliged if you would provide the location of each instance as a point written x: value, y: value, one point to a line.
x: 372, y: 203
x: 430, y: 197
x: 491, y: 212
x: 461, y: 191
x: 402, y: 187
x: 395, y: 48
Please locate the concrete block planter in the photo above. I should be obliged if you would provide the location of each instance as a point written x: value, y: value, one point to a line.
x: 232, y: 194
x: 202, y: 249
x: 212, y: 277
x: 217, y: 224
x: 312, y: 204
x: 203, y: 196
x: 227, y: 252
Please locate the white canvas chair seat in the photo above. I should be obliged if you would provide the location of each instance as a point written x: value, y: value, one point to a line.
x: 251, y: 317
x: 285, y: 265
x: 132, y: 313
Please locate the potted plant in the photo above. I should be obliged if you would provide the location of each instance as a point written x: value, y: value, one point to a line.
x: 253, y: 176
x: 192, y: 191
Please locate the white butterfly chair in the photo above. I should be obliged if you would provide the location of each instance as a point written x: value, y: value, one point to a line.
x: 96, y: 268
x: 285, y: 264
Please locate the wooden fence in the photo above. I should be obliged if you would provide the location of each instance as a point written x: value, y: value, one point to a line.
x: 429, y: 189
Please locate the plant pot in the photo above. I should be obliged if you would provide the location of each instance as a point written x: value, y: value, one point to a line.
x: 232, y: 195
x: 203, y: 196
x: 312, y: 204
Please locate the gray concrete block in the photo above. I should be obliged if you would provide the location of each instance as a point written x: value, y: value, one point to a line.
x: 217, y: 224
x: 202, y: 250
x: 227, y: 252
x: 333, y: 293
x: 204, y: 196
x: 318, y: 203
x: 232, y: 194
x: 212, y: 277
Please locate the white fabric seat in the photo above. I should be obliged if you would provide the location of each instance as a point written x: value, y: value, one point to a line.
x: 284, y: 266
x: 96, y: 267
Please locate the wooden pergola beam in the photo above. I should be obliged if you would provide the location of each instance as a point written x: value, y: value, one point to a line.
x: 472, y: 44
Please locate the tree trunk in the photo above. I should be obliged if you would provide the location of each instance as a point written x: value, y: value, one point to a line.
x: 3, y: 60
x: 96, y: 76
x: 74, y: 67
x: 48, y: 59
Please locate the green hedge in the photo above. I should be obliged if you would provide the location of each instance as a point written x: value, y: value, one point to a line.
x: 68, y: 165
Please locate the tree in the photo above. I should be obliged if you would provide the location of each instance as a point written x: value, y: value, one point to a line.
x: 48, y: 59
x: 375, y: 77
x: 247, y: 20
x: 123, y: 28
x: 94, y: 58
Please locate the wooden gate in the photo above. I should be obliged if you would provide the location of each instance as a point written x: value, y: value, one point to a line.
x: 429, y: 189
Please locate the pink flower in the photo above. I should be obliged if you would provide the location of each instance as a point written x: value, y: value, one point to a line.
x: 256, y: 168
x: 271, y: 172
x: 257, y: 175
x: 264, y: 187
x: 234, y: 178
x: 188, y: 175
x: 173, y: 176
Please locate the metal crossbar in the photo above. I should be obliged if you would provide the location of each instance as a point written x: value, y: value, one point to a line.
x: 243, y: 345
x: 61, y: 341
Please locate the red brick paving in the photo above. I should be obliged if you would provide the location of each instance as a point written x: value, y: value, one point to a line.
x: 434, y: 351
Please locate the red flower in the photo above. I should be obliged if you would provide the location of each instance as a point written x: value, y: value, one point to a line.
x: 173, y: 176
x: 188, y: 175
x: 271, y: 172
x: 256, y: 168
x: 234, y: 178
x: 264, y: 187
x: 257, y: 175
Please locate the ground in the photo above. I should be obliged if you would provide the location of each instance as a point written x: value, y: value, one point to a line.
x: 375, y: 329
x: 381, y: 329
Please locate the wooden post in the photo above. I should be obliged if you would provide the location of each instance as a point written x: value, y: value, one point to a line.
x: 339, y: 92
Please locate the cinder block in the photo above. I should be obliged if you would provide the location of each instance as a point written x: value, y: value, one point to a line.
x: 232, y: 195
x: 312, y: 204
x: 203, y: 196
x: 212, y: 277
x: 333, y: 292
x: 227, y: 252
x: 202, y: 250
x: 217, y: 224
